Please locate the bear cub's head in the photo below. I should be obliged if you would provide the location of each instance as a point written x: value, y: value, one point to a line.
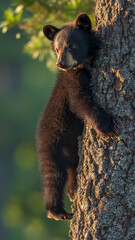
x: 73, y: 43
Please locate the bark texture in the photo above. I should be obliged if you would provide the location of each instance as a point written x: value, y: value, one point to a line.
x: 105, y: 201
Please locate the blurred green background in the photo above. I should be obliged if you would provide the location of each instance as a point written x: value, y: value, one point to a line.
x: 26, y: 82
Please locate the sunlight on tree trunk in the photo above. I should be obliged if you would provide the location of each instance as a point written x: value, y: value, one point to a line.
x: 104, y: 204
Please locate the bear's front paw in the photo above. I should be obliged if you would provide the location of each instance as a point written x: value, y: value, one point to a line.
x: 107, y: 126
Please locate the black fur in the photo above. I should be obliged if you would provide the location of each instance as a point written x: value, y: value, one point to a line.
x: 70, y: 106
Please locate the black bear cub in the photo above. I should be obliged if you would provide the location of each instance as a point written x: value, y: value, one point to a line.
x: 70, y: 106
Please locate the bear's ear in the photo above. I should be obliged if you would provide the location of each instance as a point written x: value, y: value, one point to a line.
x: 50, y: 31
x: 83, y: 21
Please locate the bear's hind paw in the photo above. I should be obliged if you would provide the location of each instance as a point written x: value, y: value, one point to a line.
x: 71, y: 196
x: 59, y: 215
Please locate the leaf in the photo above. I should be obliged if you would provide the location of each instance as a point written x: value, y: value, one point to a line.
x: 9, y: 15
x: 18, y: 16
x: 3, y: 24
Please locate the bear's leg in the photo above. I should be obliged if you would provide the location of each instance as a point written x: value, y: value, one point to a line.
x: 72, y: 173
x: 54, y: 177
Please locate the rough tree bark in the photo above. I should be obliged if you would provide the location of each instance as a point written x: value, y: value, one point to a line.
x: 105, y: 203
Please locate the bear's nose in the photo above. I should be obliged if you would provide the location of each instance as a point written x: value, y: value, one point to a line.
x: 60, y: 64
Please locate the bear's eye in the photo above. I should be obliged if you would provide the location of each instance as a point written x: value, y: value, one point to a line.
x: 71, y: 46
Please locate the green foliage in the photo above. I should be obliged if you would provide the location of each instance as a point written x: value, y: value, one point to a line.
x: 30, y: 16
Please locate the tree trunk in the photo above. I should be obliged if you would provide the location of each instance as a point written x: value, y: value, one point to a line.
x: 104, y: 205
